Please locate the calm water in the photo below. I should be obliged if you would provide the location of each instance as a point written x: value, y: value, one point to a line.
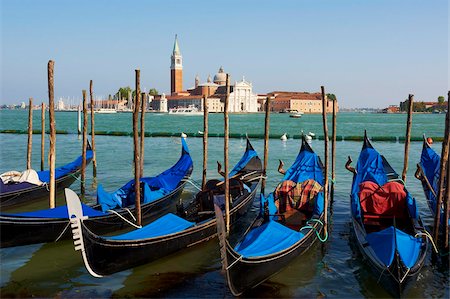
x: 333, y: 270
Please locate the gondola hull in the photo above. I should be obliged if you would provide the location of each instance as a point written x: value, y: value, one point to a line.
x: 34, y: 193
x: 245, y: 273
x: 17, y: 231
x: 106, y: 256
x: 396, y: 278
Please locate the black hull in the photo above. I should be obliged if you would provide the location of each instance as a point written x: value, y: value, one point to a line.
x: 246, y: 273
x: 395, y: 279
x: 35, y: 193
x: 17, y: 231
x: 106, y: 256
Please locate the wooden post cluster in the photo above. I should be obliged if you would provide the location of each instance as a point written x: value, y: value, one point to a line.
x: 137, y: 160
x: 205, y: 142
x: 30, y: 132
x: 51, y: 114
x: 143, y: 108
x: 94, y: 158
x: 42, y: 135
x: 83, y: 160
x: 442, y: 188
x: 325, y: 133
x: 266, y: 143
x: 408, y: 136
x: 225, y: 152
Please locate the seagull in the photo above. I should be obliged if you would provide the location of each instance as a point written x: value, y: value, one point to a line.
x: 283, y: 137
x: 311, y: 134
x: 200, y: 132
x: 183, y: 135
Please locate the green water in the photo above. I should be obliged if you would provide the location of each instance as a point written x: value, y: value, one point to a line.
x: 335, y: 270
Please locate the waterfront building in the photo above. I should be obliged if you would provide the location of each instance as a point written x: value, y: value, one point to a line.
x: 282, y: 101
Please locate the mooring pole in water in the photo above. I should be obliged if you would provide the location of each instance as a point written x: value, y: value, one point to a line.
x: 333, y: 150
x: 225, y: 155
x: 408, y: 136
x: 137, y: 160
x: 42, y: 135
x: 266, y: 143
x: 83, y: 160
x: 442, y: 187
x: 30, y: 132
x: 325, y: 133
x: 447, y: 193
x: 94, y: 158
x: 79, y: 120
x: 51, y: 115
x: 205, y: 141
x: 143, y: 107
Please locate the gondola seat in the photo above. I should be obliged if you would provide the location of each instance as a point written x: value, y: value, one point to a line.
x: 381, y: 205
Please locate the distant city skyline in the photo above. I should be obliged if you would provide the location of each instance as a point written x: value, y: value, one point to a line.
x: 368, y: 53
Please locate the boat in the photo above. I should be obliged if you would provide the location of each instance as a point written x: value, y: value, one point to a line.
x: 281, y: 232
x: 113, y: 211
x: 19, y: 188
x: 295, y: 113
x: 191, y: 225
x: 429, y: 173
x: 105, y: 110
x: 190, y: 110
x: 386, y: 223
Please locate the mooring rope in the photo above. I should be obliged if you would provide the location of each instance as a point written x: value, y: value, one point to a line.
x: 62, y: 233
x: 124, y: 219
x: 193, y: 183
x: 427, y: 234
x: 308, y: 225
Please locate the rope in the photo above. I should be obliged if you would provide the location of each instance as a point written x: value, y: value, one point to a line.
x: 193, y: 184
x: 233, y: 263
x: 308, y: 225
x: 124, y: 219
x: 75, y: 177
x: 406, y: 274
x: 62, y: 233
x: 131, y: 214
x: 427, y: 234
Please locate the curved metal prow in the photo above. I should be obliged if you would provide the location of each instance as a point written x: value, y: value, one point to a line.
x: 76, y: 218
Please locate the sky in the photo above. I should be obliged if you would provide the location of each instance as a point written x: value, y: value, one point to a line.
x: 368, y: 53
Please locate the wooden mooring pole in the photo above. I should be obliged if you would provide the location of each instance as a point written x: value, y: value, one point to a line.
x: 42, y: 135
x: 442, y: 187
x: 325, y: 133
x: 30, y: 132
x: 333, y: 150
x: 225, y: 155
x: 143, y: 108
x: 266, y: 143
x: 51, y: 116
x: 137, y: 160
x: 205, y: 141
x: 94, y: 157
x: 408, y: 136
x: 83, y: 160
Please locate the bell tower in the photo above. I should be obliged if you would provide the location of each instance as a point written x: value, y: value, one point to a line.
x: 176, y: 69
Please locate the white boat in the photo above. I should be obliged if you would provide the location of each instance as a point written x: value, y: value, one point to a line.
x: 191, y: 110
x: 295, y: 114
x: 105, y: 110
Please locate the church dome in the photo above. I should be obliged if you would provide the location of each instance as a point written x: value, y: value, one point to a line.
x: 221, y: 77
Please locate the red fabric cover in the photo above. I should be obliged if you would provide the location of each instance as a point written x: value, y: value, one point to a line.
x: 388, y: 200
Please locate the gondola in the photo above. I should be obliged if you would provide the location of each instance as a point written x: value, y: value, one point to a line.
x: 282, y: 231
x: 192, y: 224
x: 428, y: 172
x: 12, y: 193
x: 386, y: 222
x: 112, y: 212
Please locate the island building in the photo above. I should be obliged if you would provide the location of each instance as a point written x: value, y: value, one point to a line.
x: 286, y: 101
x: 241, y: 99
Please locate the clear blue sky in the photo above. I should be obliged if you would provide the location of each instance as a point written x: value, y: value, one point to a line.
x: 369, y: 53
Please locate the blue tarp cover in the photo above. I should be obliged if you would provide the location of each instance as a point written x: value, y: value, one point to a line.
x: 44, y: 176
x: 154, y: 187
x: 58, y: 212
x: 167, y: 224
x: 383, y: 244
x: 248, y: 155
x: 431, y: 165
x: 306, y: 166
x: 269, y: 238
